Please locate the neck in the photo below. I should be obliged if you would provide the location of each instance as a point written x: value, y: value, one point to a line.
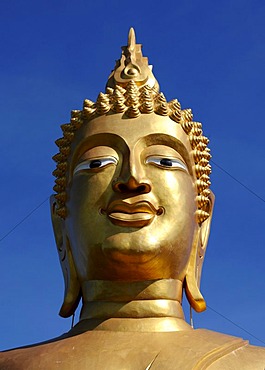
x: 153, y: 305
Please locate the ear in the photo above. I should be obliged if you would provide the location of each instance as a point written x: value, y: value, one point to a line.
x: 72, y: 293
x: 193, y: 276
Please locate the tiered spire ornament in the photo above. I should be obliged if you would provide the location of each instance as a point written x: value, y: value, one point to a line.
x: 132, y: 90
x: 132, y: 66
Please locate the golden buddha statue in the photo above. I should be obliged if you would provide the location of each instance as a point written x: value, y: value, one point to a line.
x: 131, y: 218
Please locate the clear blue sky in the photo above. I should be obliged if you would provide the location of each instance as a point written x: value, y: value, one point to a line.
x: 208, y: 54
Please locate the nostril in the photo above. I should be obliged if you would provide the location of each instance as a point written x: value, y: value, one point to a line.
x: 122, y: 187
x: 144, y: 188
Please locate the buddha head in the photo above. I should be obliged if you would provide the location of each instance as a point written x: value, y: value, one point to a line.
x: 132, y: 198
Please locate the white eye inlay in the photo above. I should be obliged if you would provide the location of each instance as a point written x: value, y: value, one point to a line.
x: 167, y: 163
x: 95, y: 163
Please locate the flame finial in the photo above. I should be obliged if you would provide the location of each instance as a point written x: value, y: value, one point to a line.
x: 131, y: 39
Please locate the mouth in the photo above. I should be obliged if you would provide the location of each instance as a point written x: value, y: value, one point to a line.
x: 138, y: 214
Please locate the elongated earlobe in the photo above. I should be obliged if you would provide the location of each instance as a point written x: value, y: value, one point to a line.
x: 72, y: 292
x: 191, y: 285
x: 193, y: 276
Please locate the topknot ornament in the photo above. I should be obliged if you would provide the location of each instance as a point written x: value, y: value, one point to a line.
x: 132, y: 66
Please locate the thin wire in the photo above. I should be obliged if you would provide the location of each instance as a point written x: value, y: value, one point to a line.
x: 239, y: 182
x: 191, y: 318
x: 73, y: 320
x: 232, y: 322
x: 23, y: 219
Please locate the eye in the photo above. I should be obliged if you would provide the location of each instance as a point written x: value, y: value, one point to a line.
x: 91, y: 164
x: 167, y: 163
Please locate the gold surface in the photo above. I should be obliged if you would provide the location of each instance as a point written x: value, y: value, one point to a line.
x: 131, y: 218
x: 129, y: 324
x: 108, y: 350
x: 132, y: 66
x: 122, y: 291
x: 133, y: 309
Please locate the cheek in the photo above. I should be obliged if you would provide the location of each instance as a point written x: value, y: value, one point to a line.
x: 176, y: 194
x: 88, y: 194
x: 91, y: 189
x: 174, y: 189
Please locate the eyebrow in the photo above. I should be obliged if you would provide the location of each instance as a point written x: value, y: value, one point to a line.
x: 108, y: 139
x: 172, y: 142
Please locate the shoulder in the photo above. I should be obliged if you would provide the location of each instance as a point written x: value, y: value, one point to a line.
x: 245, y: 358
x: 195, y: 349
x: 232, y: 353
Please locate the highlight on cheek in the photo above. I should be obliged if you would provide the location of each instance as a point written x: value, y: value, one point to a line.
x: 167, y: 163
x: 95, y: 163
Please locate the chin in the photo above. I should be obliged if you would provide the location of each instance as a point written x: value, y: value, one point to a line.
x: 133, y: 247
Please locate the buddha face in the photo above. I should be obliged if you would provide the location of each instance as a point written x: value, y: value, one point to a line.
x: 130, y: 199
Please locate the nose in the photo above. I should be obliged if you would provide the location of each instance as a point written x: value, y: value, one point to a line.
x: 132, y: 185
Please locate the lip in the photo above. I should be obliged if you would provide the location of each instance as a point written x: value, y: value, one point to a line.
x: 137, y: 214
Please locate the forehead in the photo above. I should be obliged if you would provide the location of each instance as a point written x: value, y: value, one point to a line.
x: 149, y: 129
